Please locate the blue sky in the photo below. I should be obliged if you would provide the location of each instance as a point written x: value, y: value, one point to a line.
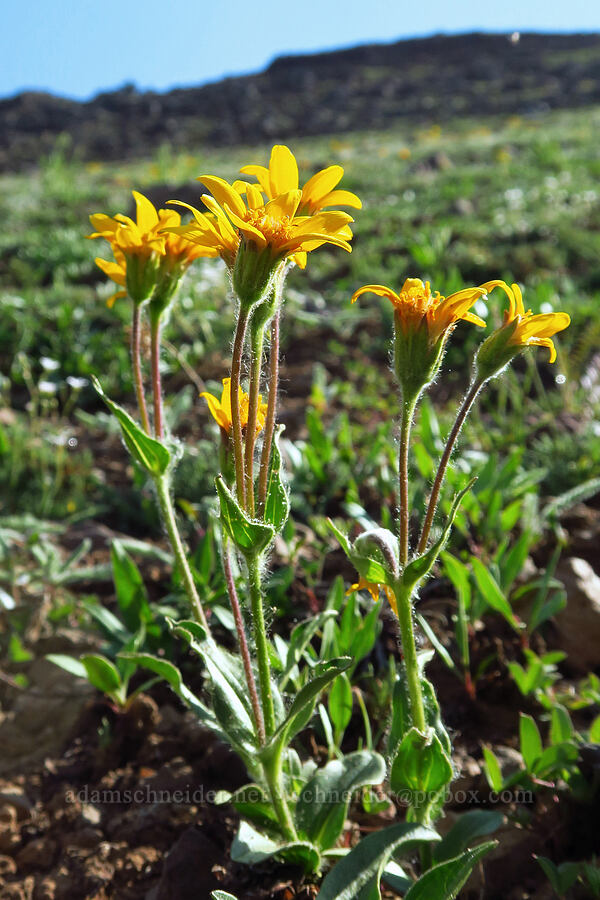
x: 81, y: 47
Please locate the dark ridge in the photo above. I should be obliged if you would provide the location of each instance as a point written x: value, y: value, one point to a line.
x: 365, y: 87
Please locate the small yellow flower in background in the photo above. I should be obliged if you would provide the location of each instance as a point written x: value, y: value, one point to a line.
x: 520, y: 329
x: 221, y: 409
x: 373, y: 589
x: 142, y: 252
x: 416, y: 305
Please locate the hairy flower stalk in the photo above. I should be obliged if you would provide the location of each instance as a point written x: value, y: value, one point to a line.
x: 136, y: 365
x: 272, y: 398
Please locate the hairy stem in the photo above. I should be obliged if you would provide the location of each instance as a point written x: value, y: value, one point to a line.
x: 255, y: 370
x: 408, y: 410
x: 409, y: 651
x: 243, y: 642
x: 263, y: 477
x: 260, y: 641
x: 155, y: 329
x: 136, y: 364
x: 236, y: 369
x: 168, y: 514
x: 443, y: 465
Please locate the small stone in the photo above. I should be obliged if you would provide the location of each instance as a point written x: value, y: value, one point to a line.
x: 578, y: 624
x: 37, y: 854
x: 7, y: 866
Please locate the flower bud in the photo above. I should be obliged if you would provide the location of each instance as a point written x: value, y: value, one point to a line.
x: 141, y: 276
x: 416, y: 359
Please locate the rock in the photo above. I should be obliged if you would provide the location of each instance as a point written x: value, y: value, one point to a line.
x: 183, y: 878
x: 37, y: 854
x: 578, y: 624
x: 7, y: 866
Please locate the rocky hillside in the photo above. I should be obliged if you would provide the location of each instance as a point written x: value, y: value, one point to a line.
x: 375, y: 86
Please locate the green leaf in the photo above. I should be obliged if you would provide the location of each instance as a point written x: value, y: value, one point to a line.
x: 444, y: 881
x: 416, y: 570
x: 492, y: 593
x: 340, y: 703
x: 222, y: 895
x: 493, y: 773
x: 594, y: 735
x: 474, y: 824
x: 251, y: 847
x: 421, y: 765
x: 304, y: 703
x: 323, y: 803
x: 561, y: 727
x: 69, y: 664
x: 248, y: 536
x: 562, y: 877
x: 300, y: 638
x: 357, y: 875
x: 277, y: 506
x: 342, y: 538
x: 531, y: 742
x: 150, y: 454
x: 102, y: 673
x: 433, y: 638
x: 129, y: 586
x: 173, y: 677
x: 253, y: 803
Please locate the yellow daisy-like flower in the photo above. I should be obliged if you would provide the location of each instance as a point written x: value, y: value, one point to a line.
x: 319, y: 191
x: 142, y: 251
x: 373, y: 588
x: 275, y: 225
x: 221, y: 409
x: 529, y: 329
x: 416, y: 305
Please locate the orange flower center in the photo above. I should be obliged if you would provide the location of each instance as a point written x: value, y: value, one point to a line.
x: 275, y: 231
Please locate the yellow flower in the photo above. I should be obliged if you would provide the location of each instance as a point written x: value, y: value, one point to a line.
x: 141, y: 247
x: 318, y: 192
x: 275, y: 225
x: 416, y: 305
x: 373, y: 589
x: 221, y: 409
x: 526, y: 329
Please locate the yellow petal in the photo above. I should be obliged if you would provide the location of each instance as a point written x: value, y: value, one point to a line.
x: 321, y: 183
x: 283, y: 170
x: 341, y: 198
x: 283, y: 205
x: 223, y: 193
x: 147, y: 217
x: 379, y: 289
x: 262, y: 174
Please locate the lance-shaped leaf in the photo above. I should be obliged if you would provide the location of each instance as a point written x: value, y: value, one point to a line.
x: 174, y: 679
x: 247, y: 535
x: 150, y: 454
x: 445, y: 880
x: 357, y: 875
x: 304, y: 702
x: 277, y: 505
x: 474, y: 824
x: 323, y: 804
x: 416, y: 570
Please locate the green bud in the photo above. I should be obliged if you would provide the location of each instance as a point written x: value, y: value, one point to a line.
x: 378, y: 545
x: 496, y: 352
x: 167, y: 282
x: 253, y: 274
x: 141, y: 276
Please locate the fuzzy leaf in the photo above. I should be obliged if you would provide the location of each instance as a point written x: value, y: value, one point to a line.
x: 248, y: 536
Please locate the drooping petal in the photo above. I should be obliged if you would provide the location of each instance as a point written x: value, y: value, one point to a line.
x: 321, y: 183
x: 380, y: 290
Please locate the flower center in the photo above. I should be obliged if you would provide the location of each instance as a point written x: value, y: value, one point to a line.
x: 275, y: 231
